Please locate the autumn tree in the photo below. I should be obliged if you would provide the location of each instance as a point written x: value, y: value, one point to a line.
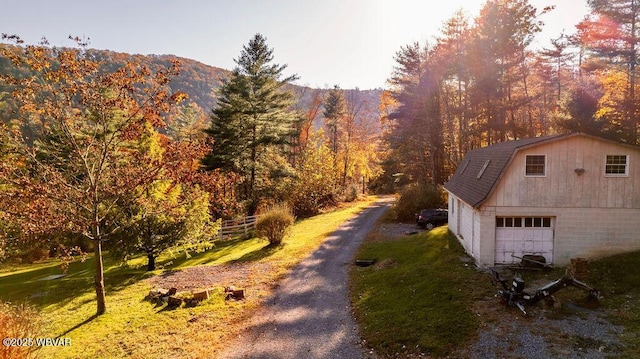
x: 353, y: 112
x: 503, y: 31
x: 359, y: 139
x: 612, y: 34
x: 172, y: 210
x: 313, y: 188
x: 309, y: 106
x: 251, y: 115
x: 83, y: 161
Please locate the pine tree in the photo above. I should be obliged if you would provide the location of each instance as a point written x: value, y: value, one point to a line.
x: 334, y: 110
x: 251, y: 114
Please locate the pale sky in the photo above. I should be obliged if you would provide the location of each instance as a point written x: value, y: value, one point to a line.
x: 350, y: 43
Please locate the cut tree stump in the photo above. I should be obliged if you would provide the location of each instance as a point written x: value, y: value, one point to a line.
x: 156, y: 293
x: 200, y: 296
x: 233, y: 293
x: 174, y: 302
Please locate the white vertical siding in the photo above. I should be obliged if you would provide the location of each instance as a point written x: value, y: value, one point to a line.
x: 461, y: 222
x: 594, y: 215
x: 562, y: 186
x: 453, y: 214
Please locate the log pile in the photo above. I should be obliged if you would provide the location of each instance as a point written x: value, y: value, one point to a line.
x: 173, y: 299
x: 161, y: 295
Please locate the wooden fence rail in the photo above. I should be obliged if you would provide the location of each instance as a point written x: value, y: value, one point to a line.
x: 236, y: 227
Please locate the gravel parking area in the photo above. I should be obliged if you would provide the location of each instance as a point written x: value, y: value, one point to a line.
x: 569, y: 332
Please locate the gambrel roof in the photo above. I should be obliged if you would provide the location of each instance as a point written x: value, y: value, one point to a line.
x: 481, y: 169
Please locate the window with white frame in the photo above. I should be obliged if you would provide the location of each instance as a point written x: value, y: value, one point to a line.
x: 616, y: 165
x: 535, y: 165
x: 523, y: 222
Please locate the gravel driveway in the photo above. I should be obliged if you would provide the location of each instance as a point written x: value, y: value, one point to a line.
x: 309, y: 315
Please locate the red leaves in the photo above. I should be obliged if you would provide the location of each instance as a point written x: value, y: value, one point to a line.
x: 96, y: 116
x: 601, y: 32
x: 178, y: 97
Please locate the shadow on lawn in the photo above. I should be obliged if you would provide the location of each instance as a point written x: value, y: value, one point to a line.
x: 86, y: 321
x: 30, y: 285
x: 265, y: 252
x: 34, y: 287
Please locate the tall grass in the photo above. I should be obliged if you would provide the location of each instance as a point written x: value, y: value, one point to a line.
x: 19, y: 325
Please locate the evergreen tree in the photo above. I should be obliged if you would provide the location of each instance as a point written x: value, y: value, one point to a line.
x: 251, y: 114
x: 334, y: 110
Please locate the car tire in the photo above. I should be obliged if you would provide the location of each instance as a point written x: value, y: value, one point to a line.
x: 429, y: 226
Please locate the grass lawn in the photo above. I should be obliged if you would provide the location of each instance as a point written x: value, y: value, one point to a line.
x: 618, y: 278
x: 419, y: 296
x: 133, y: 327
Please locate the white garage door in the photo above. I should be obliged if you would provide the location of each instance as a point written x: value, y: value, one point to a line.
x: 517, y: 236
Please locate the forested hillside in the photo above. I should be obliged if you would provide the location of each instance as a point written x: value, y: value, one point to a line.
x: 198, y: 80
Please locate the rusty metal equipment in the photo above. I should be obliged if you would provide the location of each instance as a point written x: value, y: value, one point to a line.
x: 516, y: 296
x: 532, y: 262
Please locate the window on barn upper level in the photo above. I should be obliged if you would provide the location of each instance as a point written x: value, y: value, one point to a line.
x: 617, y: 166
x: 535, y: 165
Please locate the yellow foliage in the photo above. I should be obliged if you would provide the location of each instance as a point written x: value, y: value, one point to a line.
x: 614, y: 84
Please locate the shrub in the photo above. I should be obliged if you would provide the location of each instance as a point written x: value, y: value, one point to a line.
x: 352, y: 194
x: 274, y: 224
x: 416, y: 197
x: 18, y: 321
x: 308, y: 201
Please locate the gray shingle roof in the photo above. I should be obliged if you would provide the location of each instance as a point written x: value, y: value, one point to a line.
x: 473, y: 187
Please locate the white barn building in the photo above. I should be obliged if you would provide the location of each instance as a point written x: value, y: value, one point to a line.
x: 560, y: 196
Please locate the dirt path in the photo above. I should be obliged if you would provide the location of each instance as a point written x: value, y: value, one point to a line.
x: 309, y: 314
